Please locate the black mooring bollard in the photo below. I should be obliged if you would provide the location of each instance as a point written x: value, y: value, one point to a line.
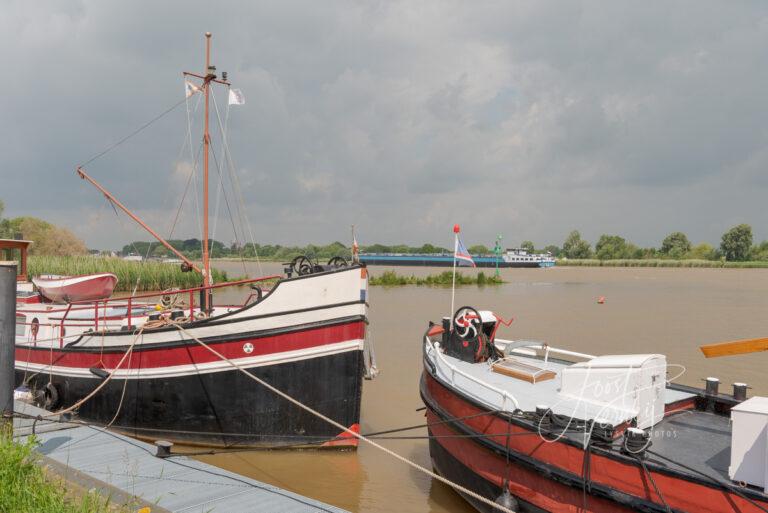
x: 7, y: 338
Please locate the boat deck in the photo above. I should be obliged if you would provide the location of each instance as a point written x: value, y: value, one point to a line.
x: 501, y: 392
x: 693, y: 442
x: 698, y: 440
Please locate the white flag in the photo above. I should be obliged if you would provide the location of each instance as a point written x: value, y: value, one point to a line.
x: 236, y: 97
x: 190, y: 88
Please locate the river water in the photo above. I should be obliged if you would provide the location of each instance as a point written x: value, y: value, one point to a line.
x: 646, y: 310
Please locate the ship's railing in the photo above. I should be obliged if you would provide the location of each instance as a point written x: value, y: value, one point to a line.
x: 138, y: 303
x: 434, y: 349
x: 535, y: 349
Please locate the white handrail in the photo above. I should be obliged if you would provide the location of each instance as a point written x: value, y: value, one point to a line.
x: 435, y: 348
x: 548, y: 348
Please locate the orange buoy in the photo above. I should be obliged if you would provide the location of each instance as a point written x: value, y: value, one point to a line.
x: 601, y: 300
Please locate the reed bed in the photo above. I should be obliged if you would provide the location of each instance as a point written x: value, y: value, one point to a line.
x: 392, y: 279
x: 26, y: 488
x: 658, y: 262
x: 149, y: 275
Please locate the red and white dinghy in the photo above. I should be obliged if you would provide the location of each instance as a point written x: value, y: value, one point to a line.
x: 87, y: 287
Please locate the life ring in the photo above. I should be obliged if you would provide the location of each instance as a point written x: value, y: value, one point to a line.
x: 52, y: 397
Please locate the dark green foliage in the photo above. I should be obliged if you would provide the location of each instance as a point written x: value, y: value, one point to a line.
x: 675, y: 245
x: 736, y: 243
x: 611, y: 247
x: 528, y: 246
x: 576, y: 247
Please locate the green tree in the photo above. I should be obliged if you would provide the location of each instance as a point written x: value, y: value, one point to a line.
x: 479, y: 249
x: 611, y: 247
x: 528, y: 246
x: 6, y: 228
x: 554, y: 250
x: 702, y: 251
x: 576, y: 247
x: 760, y: 251
x: 737, y: 242
x: 675, y: 245
x: 49, y: 239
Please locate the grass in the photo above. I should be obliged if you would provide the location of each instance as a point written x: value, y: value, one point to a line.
x: 150, y: 275
x: 651, y: 262
x: 392, y: 279
x: 24, y: 487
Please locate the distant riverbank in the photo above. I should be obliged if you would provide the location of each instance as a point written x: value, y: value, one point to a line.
x: 661, y: 263
x: 392, y: 279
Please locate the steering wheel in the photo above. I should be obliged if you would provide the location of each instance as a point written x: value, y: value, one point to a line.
x: 338, y: 261
x: 467, y: 323
x: 170, y: 298
x: 302, y: 265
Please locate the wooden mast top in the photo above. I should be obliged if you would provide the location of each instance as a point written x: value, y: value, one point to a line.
x: 208, y: 76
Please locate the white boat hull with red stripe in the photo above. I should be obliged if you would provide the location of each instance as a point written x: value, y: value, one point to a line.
x: 306, y: 330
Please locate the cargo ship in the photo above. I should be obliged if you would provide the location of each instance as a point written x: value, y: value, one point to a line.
x: 513, y: 257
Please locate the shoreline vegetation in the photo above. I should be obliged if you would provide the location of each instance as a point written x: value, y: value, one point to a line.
x: 660, y: 262
x: 146, y: 276
x: 27, y: 487
x: 444, y: 279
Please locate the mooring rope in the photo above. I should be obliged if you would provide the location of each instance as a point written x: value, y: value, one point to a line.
x: 303, y: 406
x: 103, y: 383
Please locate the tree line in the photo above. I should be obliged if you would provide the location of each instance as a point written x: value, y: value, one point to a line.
x: 192, y: 248
x: 736, y: 245
x: 48, y: 239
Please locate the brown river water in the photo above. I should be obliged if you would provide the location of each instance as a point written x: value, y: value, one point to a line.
x: 646, y: 310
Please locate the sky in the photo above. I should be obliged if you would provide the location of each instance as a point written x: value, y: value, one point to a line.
x: 524, y: 119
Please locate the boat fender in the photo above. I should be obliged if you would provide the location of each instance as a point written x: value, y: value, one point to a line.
x: 52, y: 396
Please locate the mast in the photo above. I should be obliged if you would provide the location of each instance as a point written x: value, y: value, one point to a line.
x: 208, y: 77
x: 206, y: 143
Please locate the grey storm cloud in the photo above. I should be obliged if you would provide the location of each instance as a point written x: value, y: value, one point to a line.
x: 528, y: 119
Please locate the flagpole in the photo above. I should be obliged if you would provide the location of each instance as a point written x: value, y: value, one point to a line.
x: 453, y: 281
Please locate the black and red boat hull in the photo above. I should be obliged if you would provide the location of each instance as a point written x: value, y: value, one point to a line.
x: 184, y: 393
x: 482, y: 450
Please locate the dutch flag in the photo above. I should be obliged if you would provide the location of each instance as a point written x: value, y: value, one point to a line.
x: 462, y: 255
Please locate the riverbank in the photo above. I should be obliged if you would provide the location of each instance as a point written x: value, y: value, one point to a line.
x: 27, y: 487
x: 692, y: 263
x: 144, y: 276
x: 392, y: 279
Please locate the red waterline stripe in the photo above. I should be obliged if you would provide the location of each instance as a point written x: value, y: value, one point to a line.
x: 192, y: 352
x: 679, y: 493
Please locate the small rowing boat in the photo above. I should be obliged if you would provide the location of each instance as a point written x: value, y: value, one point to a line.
x: 87, y: 287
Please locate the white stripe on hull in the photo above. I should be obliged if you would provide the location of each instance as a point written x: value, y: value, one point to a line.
x: 203, y: 368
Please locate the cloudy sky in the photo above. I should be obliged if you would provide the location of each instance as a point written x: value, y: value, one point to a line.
x: 528, y: 119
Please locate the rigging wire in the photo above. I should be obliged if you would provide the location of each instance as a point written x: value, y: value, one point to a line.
x: 132, y: 134
x: 194, y: 172
x: 221, y: 181
x: 245, y: 221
